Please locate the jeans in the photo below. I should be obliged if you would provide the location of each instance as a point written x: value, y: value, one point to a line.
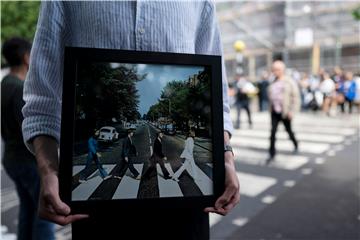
x: 91, y: 157
x: 27, y: 181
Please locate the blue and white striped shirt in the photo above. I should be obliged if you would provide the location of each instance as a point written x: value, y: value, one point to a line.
x: 166, y: 26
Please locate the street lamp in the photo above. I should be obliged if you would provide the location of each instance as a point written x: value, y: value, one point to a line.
x: 239, y: 47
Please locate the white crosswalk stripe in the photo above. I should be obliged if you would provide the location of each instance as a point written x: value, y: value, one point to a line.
x: 318, y: 138
x: 84, y: 190
x: 252, y: 185
x: 128, y: 187
x: 167, y: 188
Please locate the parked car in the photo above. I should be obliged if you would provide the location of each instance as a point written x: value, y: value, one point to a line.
x: 170, y: 129
x: 108, y: 134
x: 129, y: 125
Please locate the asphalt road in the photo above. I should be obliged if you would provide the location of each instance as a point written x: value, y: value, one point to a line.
x: 311, y: 195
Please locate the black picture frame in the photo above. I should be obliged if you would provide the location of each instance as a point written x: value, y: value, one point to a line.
x: 74, y: 56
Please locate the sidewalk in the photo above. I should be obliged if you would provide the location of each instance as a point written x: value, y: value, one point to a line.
x: 324, y: 205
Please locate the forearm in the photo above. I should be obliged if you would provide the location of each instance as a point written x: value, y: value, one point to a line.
x: 228, y: 160
x: 46, y: 154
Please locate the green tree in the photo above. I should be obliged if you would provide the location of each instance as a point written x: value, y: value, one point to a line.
x: 18, y: 19
x: 356, y: 13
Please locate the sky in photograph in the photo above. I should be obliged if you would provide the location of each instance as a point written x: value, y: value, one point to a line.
x: 156, y: 79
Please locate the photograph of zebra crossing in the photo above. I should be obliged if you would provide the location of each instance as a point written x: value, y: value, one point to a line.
x: 142, y: 131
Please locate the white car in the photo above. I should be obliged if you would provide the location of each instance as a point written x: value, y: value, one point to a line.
x: 108, y: 134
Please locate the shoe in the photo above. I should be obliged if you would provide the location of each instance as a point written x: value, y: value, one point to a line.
x: 175, y: 179
x: 296, y: 150
x: 107, y: 177
x: 269, y: 160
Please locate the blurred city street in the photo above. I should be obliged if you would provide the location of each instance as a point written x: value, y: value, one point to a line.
x: 281, y: 56
x: 288, y: 199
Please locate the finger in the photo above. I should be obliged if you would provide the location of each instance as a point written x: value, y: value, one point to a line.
x: 220, y: 211
x: 64, y: 220
x: 224, y: 199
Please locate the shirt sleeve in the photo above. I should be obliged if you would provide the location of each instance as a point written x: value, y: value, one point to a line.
x: 43, y: 85
x: 208, y: 41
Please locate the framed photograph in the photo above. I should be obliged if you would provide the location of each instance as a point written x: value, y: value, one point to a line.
x: 140, y: 129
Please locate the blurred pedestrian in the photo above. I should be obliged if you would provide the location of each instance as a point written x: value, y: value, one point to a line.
x: 18, y: 162
x: 93, y: 156
x: 242, y: 89
x: 263, y: 85
x: 130, y: 25
x: 327, y: 88
x: 357, y: 96
x: 284, y: 103
x: 348, y: 90
x: 304, y: 85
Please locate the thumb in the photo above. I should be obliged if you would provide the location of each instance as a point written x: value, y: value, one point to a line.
x: 59, y: 206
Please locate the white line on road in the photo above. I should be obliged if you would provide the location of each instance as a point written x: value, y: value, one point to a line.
x: 77, y: 169
x: 128, y: 187
x: 84, y: 190
x: 240, y: 221
x: 252, y: 185
x: 282, y: 161
x: 306, y: 171
x: 167, y: 188
x: 268, y: 199
x: 289, y: 183
x: 282, y: 145
x: 204, y: 182
x: 314, y: 137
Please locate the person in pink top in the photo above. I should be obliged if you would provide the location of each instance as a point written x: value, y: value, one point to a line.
x: 284, y: 101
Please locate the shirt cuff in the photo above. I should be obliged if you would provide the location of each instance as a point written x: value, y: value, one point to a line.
x: 228, y: 126
x: 34, y: 126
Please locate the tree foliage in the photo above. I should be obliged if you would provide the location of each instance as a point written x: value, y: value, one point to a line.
x: 183, y: 102
x: 19, y: 18
x: 105, y: 93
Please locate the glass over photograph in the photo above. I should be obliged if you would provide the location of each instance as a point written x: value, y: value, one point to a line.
x: 142, y: 131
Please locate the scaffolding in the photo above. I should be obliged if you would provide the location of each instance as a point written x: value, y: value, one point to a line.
x: 306, y: 35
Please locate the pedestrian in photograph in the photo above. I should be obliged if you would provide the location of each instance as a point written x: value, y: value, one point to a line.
x: 284, y: 103
x: 127, y: 152
x: 188, y: 156
x: 17, y: 161
x: 157, y: 157
x: 128, y: 25
x: 93, y: 157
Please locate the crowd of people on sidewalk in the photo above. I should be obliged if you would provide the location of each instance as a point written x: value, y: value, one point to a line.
x: 331, y: 92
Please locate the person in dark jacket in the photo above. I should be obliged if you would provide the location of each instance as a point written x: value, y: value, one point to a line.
x: 18, y: 162
x: 157, y: 157
x: 127, y: 152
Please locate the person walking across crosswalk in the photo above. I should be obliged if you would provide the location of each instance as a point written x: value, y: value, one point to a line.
x: 284, y: 103
x: 188, y: 154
